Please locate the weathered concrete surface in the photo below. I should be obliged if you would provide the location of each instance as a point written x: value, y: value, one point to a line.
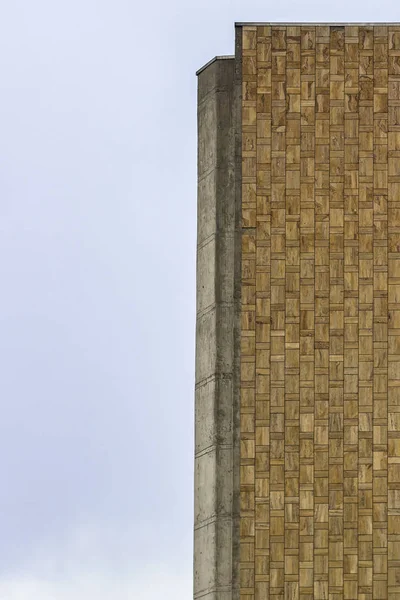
x: 237, y: 125
x: 214, y: 529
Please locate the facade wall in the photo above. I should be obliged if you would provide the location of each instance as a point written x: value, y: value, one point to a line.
x: 320, y: 315
x: 297, y: 468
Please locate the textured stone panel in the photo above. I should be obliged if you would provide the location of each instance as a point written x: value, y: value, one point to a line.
x: 320, y: 325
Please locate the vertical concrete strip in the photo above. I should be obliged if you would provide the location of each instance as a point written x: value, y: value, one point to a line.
x: 214, y: 398
x: 237, y: 123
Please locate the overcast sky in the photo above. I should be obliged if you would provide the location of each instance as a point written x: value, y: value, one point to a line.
x: 97, y: 300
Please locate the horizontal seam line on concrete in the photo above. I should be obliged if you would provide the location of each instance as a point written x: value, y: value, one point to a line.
x: 212, y: 448
x: 207, y: 241
x: 204, y: 311
x: 214, y: 519
x: 211, y: 590
x: 212, y: 92
x: 220, y: 233
x: 215, y: 167
x: 207, y: 173
x: 224, y: 375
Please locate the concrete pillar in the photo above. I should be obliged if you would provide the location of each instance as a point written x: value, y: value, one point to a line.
x: 215, y: 533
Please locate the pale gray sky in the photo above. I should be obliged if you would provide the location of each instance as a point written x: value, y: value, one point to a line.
x: 97, y: 270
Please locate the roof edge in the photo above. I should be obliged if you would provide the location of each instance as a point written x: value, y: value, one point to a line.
x: 314, y: 23
x: 210, y: 62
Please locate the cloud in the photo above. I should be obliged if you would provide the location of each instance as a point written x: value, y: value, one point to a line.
x: 86, y: 565
x: 152, y: 584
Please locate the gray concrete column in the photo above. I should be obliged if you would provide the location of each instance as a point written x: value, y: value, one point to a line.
x: 214, y: 527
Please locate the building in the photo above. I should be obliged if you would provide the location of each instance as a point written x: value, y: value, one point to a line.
x: 297, y: 468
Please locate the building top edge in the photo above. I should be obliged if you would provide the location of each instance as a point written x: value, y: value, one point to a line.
x: 213, y: 60
x: 317, y: 23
